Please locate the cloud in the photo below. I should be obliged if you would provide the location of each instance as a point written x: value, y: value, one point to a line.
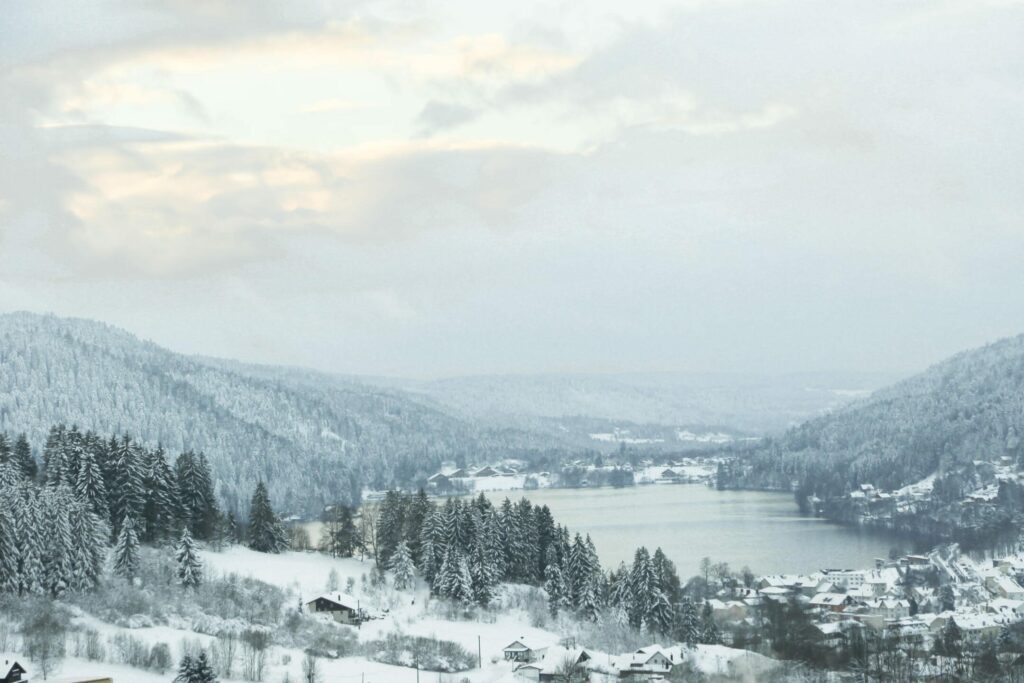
x: 441, y: 116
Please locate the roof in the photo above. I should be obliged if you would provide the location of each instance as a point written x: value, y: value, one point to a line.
x: 342, y: 599
x: 830, y: 599
x: 523, y: 643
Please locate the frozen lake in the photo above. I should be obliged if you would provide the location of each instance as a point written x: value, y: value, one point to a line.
x: 763, y: 530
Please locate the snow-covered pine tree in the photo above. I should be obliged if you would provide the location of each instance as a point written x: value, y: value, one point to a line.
x: 446, y: 577
x: 554, y: 585
x: 688, y: 626
x: 641, y: 587
x: 709, y: 633
x: 161, y: 506
x: 28, y: 534
x: 659, y: 617
x: 22, y: 458
x: 203, y: 671
x: 8, y: 555
x: 189, y: 566
x: 57, y: 560
x: 483, y: 573
x: 89, y: 536
x: 462, y: 590
x: 126, y: 550
x: 90, y: 486
x: 126, y: 492
x: 431, y: 550
x: 403, y: 567
x: 492, y: 541
x: 266, y: 534
x: 590, y: 599
x: 198, y: 505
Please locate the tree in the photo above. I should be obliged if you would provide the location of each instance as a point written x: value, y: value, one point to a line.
x: 195, y: 670
x: 22, y: 458
x: 710, y: 634
x: 90, y: 486
x: 688, y: 627
x: 126, y: 492
x: 310, y: 668
x: 554, y: 585
x: 266, y: 534
x: 190, y: 567
x: 339, y: 535
x: 403, y: 567
x: 126, y: 551
x: 44, y: 635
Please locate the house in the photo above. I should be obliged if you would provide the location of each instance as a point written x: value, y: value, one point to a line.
x: 833, y: 602
x: 646, y: 662
x: 343, y: 608
x: 669, y: 474
x: 1004, y: 587
x: 458, y: 474
x: 552, y: 664
x: 486, y: 472
x: 847, y: 578
x: 15, y: 673
x: 439, y: 481
x: 524, y: 650
x: 978, y: 626
x: 888, y: 608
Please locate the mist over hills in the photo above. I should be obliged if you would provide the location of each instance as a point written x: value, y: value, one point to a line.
x: 321, y: 438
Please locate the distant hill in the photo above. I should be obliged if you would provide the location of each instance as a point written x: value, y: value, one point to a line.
x: 749, y: 404
x: 968, y: 408
x: 313, y: 437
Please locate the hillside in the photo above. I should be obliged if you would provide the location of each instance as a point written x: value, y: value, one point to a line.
x: 746, y: 404
x: 961, y: 420
x: 317, y: 438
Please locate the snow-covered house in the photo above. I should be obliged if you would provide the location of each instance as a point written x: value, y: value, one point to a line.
x: 15, y: 672
x: 343, y: 608
x: 552, y: 664
x: 646, y: 661
x: 1004, y: 587
x: 525, y: 650
x: 832, y: 602
x: 486, y: 472
x: 439, y: 481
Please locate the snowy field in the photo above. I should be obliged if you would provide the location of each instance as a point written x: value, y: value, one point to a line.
x: 306, y: 575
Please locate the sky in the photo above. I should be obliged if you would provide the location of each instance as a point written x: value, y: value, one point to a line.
x: 451, y: 187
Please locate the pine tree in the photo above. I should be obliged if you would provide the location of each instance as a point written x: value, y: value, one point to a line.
x: 483, y: 573
x: 57, y: 551
x: 195, y: 670
x: 710, y: 634
x: 197, y: 503
x: 162, y: 507
x: 8, y: 560
x: 554, y: 585
x: 688, y: 626
x: 403, y: 567
x: 126, y: 550
x: 641, y: 588
x: 90, y: 486
x: 89, y: 541
x: 659, y: 618
x: 266, y: 535
x: 127, y: 494
x: 22, y: 457
x: 190, y: 567
x: 28, y: 524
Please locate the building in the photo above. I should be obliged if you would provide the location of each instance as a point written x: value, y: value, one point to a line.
x: 524, y: 650
x: 486, y: 472
x: 439, y: 481
x: 552, y: 664
x: 343, y: 608
x: 648, y: 662
x: 833, y: 602
x: 1004, y: 587
x: 15, y: 672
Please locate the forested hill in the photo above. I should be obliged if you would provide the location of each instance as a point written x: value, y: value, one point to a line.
x: 968, y: 408
x: 315, y: 438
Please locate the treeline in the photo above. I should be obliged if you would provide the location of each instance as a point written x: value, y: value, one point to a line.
x: 464, y: 548
x: 60, y: 516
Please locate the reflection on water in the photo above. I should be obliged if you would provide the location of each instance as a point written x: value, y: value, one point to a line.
x: 762, y: 530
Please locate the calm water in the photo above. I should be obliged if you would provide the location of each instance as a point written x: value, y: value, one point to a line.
x: 762, y: 530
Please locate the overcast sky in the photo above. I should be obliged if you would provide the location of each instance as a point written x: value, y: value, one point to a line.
x: 437, y: 188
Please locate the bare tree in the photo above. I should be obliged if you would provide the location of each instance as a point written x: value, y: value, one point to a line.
x: 310, y: 669
x: 44, y: 636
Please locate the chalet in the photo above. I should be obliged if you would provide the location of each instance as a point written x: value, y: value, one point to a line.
x: 524, y: 650
x: 458, y: 474
x: 552, y: 665
x: 439, y: 481
x: 343, y: 608
x: 486, y: 472
x: 15, y: 673
x: 669, y: 473
x: 646, y: 662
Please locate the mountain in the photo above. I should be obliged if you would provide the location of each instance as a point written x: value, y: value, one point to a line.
x: 745, y: 404
x: 960, y: 420
x: 314, y: 438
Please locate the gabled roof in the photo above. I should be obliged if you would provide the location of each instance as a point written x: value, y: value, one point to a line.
x: 340, y: 599
x: 523, y: 643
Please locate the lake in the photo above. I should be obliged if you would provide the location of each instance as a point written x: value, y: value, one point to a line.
x: 763, y: 530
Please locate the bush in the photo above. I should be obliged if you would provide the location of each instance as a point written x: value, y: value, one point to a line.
x: 430, y: 654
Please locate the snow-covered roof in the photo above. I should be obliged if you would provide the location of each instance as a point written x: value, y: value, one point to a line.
x: 524, y: 643
x: 343, y: 599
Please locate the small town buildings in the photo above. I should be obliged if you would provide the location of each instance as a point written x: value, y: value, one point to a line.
x: 439, y: 481
x: 343, y: 608
x: 458, y: 474
x: 832, y: 602
x: 525, y: 650
x: 486, y: 472
x: 1004, y: 587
